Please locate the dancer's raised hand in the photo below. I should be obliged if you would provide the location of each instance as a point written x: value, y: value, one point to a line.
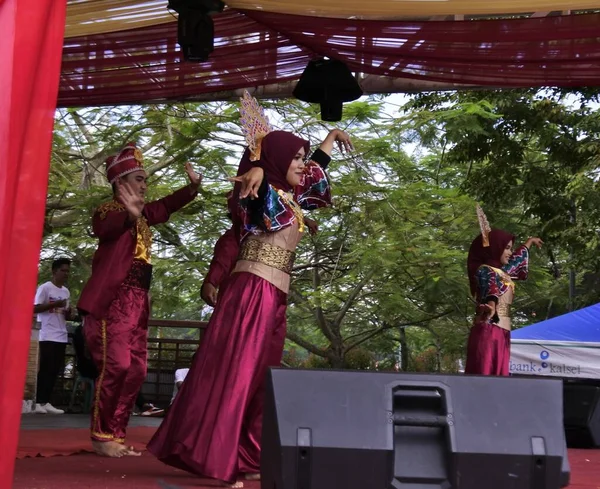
x: 133, y: 202
x: 537, y: 242
x: 250, y: 181
x: 343, y: 141
x: 195, y: 177
x: 336, y: 136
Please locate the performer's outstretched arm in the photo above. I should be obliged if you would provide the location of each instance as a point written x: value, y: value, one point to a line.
x: 315, y: 191
x: 518, y: 265
x: 160, y: 210
x: 339, y: 136
x: 114, y: 218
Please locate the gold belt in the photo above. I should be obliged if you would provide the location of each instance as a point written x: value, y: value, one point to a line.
x: 503, y: 310
x: 271, y: 255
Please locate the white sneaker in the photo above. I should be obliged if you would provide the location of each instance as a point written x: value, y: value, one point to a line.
x: 39, y: 409
x: 50, y: 409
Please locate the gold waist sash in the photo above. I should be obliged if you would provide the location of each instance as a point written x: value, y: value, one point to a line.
x: 503, y: 310
x: 271, y: 255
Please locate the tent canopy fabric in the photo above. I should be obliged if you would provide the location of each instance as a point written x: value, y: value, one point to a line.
x: 387, y: 9
x: 86, y: 17
x: 582, y: 326
x: 254, y: 49
x: 566, y: 346
x: 126, y: 52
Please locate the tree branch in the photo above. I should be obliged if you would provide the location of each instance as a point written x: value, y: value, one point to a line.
x: 375, y: 332
x: 305, y: 344
x: 351, y: 298
x: 319, y: 316
x: 170, y: 236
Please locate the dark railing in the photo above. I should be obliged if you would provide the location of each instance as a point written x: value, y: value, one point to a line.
x: 165, y: 355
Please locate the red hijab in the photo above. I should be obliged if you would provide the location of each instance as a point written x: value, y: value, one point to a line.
x: 277, y: 151
x: 489, y: 255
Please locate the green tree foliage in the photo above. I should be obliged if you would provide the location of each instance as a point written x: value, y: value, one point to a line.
x: 531, y: 157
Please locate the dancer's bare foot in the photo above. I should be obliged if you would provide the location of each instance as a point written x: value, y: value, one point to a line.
x: 132, y: 452
x: 252, y: 477
x: 235, y: 485
x: 109, y: 449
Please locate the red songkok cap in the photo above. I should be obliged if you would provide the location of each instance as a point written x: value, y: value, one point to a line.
x: 128, y: 160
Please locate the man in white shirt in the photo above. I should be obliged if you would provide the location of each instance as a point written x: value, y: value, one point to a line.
x: 180, y: 375
x: 53, y: 310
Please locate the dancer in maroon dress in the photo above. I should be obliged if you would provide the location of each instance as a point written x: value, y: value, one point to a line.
x: 225, y: 256
x: 115, y: 300
x: 493, y: 267
x: 214, y: 426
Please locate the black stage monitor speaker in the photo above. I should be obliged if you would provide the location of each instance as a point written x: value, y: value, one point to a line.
x: 582, y: 414
x: 325, y: 429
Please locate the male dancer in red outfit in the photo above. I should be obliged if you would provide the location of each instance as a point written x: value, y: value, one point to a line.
x: 114, y: 301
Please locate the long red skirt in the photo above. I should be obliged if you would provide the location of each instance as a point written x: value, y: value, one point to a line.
x: 488, y: 350
x: 213, y: 428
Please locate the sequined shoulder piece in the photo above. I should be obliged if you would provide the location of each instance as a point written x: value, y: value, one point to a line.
x: 109, y: 206
x: 501, y: 274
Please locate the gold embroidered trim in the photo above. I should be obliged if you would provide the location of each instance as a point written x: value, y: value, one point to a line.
x: 143, y: 239
x: 296, y: 209
x: 137, y: 154
x: 271, y: 255
x: 104, y: 436
x: 96, y: 411
x: 107, y: 207
x: 503, y: 310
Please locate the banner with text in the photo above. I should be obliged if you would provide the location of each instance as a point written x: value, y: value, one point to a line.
x: 555, y: 359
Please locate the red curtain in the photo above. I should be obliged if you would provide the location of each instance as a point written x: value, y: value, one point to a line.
x: 255, y: 48
x: 30, y: 50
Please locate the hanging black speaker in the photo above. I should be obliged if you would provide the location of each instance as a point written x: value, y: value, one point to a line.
x: 330, y: 83
x: 195, y: 27
x: 195, y: 35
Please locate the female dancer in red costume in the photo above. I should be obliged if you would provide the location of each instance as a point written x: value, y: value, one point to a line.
x: 214, y: 426
x: 493, y: 267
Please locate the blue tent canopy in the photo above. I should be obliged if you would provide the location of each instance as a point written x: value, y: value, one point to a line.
x: 577, y: 326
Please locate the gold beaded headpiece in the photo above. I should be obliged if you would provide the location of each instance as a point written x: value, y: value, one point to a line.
x: 484, y: 225
x: 255, y: 124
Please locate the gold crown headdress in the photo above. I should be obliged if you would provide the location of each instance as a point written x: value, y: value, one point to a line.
x: 255, y: 124
x: 484, y: 225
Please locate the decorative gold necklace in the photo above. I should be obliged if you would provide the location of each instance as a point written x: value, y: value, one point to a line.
x: 296, y: 209
x: 505, y: 277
